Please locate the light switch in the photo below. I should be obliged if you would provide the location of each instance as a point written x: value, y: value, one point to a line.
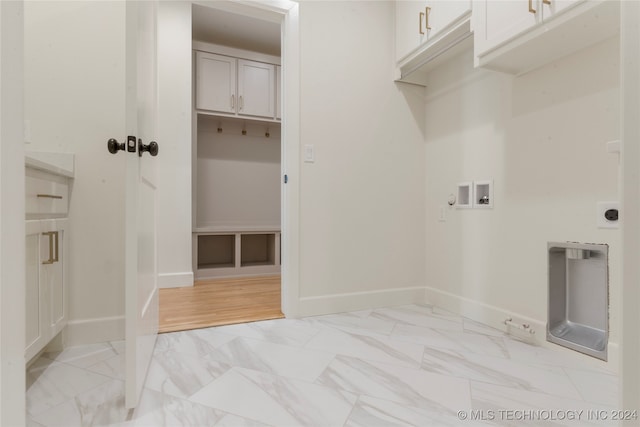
x: 309, y: 154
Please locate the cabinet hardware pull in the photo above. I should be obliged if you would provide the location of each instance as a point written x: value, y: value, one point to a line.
x: 233, y: 102
x: 241, y: 103
x: 547, y: 2
x: 427, y: 12
x: 56, y: 258
x: 51, y: 259
x: 48, y: 196
x: 420, y: 23
x: 54, y: 248
x: 531, y: 9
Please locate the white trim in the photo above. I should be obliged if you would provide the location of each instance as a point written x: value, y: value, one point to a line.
x: 495, y: 316
x: 90, y: 331
x: 175, y: 280
x: 353, y: 301
x: 290, y: 163
x: 629, y: 389
x: 235, y: 53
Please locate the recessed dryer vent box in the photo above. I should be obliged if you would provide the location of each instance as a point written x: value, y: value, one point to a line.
x: 578, y: 306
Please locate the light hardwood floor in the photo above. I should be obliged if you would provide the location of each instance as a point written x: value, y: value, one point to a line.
x: 220, y: 302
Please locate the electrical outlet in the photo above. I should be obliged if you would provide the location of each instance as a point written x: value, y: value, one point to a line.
x: 608, y: 214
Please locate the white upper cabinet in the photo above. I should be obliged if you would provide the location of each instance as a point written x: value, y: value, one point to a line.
x: 230, y: 86
x: 418, y: 22
x: 441, y: 14
x: 410, y: 27
x: 516, y: 36
x: 215, y: 82
x: 256, y: 89
x: 502, y: 20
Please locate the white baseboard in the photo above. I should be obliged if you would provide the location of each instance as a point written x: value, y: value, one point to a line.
x: 175, y: 280
x: 495, y: 316
x: 338, y: 303
x: 90, y: 331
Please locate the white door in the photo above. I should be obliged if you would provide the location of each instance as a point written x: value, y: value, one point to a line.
x: 141, y: 290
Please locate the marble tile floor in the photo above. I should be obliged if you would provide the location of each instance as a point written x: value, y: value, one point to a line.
x: 413, y: 365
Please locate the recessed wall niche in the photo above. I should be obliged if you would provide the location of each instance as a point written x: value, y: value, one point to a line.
x: 465, y: 195
x: 483, y: 191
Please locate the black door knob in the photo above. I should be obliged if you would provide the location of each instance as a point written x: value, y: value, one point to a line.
x: 114, y: 146
x: 151, y: 148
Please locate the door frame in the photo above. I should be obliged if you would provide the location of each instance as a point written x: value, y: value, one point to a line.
x: 629, y: 372
x: 12, y: 219
x: 285, y: 13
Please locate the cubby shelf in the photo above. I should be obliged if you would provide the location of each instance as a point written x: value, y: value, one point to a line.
x: 236, y: 253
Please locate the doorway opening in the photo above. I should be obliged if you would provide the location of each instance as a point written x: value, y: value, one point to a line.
x: 237, y: 170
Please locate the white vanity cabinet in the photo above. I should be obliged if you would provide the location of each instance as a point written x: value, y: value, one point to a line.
x: 520, y: 35
x: 45, y: 282
x: 233, y: 86
x: 47, y: 189
x: 418, y: 22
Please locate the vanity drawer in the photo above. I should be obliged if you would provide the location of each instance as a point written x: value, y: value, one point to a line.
x: 46, y: 194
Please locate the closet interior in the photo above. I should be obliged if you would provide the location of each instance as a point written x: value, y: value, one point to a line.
x: 236, y: 145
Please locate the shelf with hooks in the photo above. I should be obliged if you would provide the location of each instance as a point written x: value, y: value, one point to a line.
x: 233, y: 125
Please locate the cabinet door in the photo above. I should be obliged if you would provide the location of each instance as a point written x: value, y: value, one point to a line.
x: 410, y: 27
x: 557, y: 6
x: 35, y: 334
x: 442, y: 13
x: 215, y: 82
x: 256, y: 89
x: 56, y: 279
x: 45, y: 283
x: 496, y: 21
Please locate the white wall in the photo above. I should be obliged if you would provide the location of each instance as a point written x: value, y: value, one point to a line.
x: 12, y: 226
x: 174, y: 139
x: 541, y: 138
x: 362, y: 202
x: 75, y: 99
x: 238, y: 176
